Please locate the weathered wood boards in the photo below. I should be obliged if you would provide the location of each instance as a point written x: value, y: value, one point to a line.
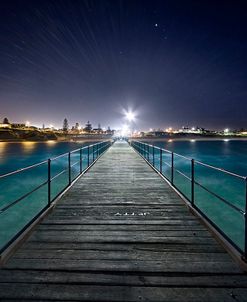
x: 121, y: 234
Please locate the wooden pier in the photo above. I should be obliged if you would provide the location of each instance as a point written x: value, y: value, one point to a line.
x: 121, y: 234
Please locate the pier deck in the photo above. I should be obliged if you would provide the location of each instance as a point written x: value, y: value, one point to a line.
x: 121, y: 234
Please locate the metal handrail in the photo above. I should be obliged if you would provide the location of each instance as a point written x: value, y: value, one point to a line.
x: 197, y: 161
x: 58, y: 174
x: 221, y: 198
x: 23, y: 169
x: 98, y: 149
x: 220, y: 169
x: 2, y: 210
x: 181, y: 173
x: 149, y: 155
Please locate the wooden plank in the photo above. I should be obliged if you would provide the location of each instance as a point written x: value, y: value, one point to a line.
x: 167, y: 247
x: 56, y: 277
x: 157, y: 266
x: 57, y: 292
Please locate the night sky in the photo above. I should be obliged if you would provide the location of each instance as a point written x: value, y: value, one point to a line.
x: 174, y: 63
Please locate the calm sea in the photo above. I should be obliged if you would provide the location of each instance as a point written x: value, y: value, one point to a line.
x: 17, y: 211
x: 14, y: 156
x: 227, y: 154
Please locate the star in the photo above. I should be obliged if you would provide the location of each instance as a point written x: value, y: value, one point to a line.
x: 156, y: 25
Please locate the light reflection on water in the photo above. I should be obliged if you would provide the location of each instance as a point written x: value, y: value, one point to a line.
x: 28, y: 147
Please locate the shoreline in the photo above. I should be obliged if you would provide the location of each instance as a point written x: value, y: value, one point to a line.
x: 69, y: 140
x: 194, y: 139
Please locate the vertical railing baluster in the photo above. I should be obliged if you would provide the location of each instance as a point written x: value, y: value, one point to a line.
x: 49, y: 182
x: 69, y: 167
x: 153, y: 156
x: 172, y: 168
x: 192, y: 182
x: 80, y: 160
x: 161, y: 161
x: 88, y: 154
x: 245, y: 223
x: 148, y: 153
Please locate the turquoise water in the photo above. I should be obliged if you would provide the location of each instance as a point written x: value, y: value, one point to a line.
x: 14, y: 156
x: 230, y: 155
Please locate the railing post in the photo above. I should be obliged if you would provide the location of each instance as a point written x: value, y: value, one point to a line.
x: 172, y: 168
x: 88, y: 153
x: 245, y: 223
x: 93, y: 153
x: 97, y: 150
x: 69, y: 167
x: 49, y: 182
x: 148, y: 153
x: 161, y: 161
x: 153, y: 156
x: 80, y: 160
x: 192, y: 182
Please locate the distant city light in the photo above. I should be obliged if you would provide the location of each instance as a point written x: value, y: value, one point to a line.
x: 193, y: 128
x: 27, y: 123
x: 51, y: 126
x: 125, y: 130
x: 226, y: 130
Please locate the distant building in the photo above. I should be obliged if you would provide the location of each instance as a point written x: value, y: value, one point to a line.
x: 18, y: 126
x: 88, y: 127
x: 192, y: 130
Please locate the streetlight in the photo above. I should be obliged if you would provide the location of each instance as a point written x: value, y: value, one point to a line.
x: 226, y: 131
x: 130, y: 116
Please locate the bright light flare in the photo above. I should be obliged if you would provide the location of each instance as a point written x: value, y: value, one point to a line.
x: 125, y: 131
x: 130, y: 116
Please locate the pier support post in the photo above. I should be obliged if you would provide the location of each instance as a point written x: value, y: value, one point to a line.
x: 69, y: 167
x: 80, y: 160
x: 153, y: 156
x: 192, y: 182
x: 49, y: 181
x: 245, y: 224
x: 172, y: 168
x: 161, y: 161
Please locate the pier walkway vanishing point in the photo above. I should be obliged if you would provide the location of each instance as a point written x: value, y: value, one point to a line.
x: 121, y: 234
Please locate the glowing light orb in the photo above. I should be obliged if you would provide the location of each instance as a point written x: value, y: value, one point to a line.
x: 130, y: 116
